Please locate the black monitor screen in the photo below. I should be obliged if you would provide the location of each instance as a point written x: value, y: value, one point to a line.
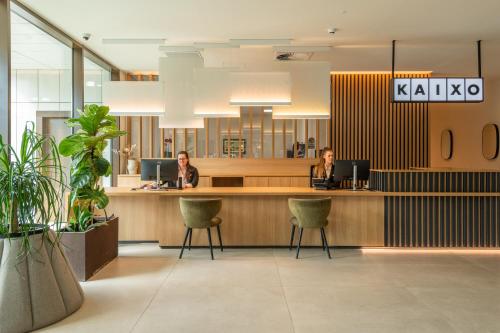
x: 363, y: 169
x: 344, y: 169
x: 168, y: 169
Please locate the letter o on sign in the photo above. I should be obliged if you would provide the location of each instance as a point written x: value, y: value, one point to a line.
x: 473, y: 89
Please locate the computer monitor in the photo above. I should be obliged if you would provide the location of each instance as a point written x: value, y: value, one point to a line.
x: 363, y: 169
x: 169, y: 170
x: 344, y: 170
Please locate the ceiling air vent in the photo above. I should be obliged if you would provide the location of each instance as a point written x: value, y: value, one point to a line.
x: 293, y: 56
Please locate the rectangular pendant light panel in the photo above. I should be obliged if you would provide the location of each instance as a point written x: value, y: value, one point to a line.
x: 133, y: 98
x: 212, y: 93
x: 310, y: 94
x: 260, y: 88
x: 177, y: 75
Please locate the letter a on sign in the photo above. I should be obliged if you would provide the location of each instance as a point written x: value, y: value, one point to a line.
x: 438, y: 90
x: 419, y: 90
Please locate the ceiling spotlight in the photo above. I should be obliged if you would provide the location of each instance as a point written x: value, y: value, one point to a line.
x: 332, y: 31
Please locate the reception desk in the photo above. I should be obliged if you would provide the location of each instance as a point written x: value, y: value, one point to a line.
x: 258, y: 216
x: 252, y: 216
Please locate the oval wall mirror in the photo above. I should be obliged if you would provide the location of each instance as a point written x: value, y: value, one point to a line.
x: 490, y: 141
x: 446, y: 144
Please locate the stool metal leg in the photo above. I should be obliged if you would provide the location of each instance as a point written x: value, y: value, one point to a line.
x: 210, y: 243
x: 220, y: 238
x: 190, y: 236
x: 326, y: 242
x: 291, y: 237
x: 188, y: 231
x: 322, y: 240
x: 300, y: 240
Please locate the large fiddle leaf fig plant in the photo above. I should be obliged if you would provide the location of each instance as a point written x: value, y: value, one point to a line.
x: 31, y: 186
x: 94, y: 127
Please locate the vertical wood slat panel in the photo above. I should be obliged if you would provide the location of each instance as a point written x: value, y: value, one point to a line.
x: 240, y: 134
x: 250, y: 138
x: 162, y: 142
x: 207, y: 133
x: 228, y: 137
x: 150, y: 136
x: 217, y: 138
x: 262, y: 133
x: 367, y: 125
x: 442, y: 221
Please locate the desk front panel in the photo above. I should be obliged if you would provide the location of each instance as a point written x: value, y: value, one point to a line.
x: 248, y: 220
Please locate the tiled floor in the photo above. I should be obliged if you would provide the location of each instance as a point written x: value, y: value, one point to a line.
x: 266, y: 290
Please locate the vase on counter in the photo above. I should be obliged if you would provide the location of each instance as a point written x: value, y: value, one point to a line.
x: 131, y: 167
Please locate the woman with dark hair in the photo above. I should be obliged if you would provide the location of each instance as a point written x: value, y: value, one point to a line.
x: 187, y: 172
x: 324, y: 169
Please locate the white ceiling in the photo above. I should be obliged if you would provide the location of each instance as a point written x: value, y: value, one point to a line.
x: 32, y: 48
x: 433, y: 35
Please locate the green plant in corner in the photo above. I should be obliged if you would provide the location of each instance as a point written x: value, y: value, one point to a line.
x: 31, y: 186
x: 94, y: 127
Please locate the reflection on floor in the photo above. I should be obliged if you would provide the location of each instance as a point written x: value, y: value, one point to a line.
x: 266, y: 290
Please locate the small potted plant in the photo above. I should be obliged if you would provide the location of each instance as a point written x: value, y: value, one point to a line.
x: 37, y: 285
x: 128, y: 152
x: 91, y: 236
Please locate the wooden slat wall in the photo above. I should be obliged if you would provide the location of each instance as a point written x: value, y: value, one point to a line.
x: 367, y: 125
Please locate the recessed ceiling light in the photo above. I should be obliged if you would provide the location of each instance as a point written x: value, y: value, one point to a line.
x: 261, y: 42
x: 302, y: 48
x: 133, y: 41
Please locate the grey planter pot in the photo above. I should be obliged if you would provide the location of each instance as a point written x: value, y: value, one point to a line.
x: 37, y: 290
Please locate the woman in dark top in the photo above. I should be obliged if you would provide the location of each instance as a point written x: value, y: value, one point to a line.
x: 324, y: 169
x: 188, y: 172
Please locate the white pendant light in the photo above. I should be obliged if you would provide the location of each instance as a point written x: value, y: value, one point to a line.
x: 260, y: 88
x: 133, y: 98
x: 177, y: 74
x: 212, y: 93
x: 310, y: 90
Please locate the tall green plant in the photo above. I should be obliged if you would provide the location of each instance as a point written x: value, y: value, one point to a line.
x: 31, y: 185
x: 94, y: 126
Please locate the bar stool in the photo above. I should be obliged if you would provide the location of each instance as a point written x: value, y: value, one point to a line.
x: 201, y: 214
x: 309, y: 213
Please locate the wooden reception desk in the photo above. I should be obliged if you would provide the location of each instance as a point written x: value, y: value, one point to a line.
x: 253, y: 216
x: 258, y: 216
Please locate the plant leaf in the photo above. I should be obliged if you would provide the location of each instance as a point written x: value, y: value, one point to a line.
x: 72, y: 144
x: 102, y: 165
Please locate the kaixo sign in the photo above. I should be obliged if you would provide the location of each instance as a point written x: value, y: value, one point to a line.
x: 443, y: 90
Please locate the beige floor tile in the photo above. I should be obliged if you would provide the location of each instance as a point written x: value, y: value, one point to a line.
x: 361, y: 309
x: 117, y: 296
x: 216, y: 308
x: 227, y: 272
x: 467, y: 309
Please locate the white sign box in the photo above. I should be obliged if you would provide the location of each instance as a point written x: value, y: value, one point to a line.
x: 418, y: 90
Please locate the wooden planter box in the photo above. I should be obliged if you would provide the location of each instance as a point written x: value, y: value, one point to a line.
x: 89, y: 251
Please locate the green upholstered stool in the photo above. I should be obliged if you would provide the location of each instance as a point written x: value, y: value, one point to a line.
x: 201, y: 214
x: 309, y: 213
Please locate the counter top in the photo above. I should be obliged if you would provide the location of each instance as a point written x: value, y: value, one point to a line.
x: 279, y: 191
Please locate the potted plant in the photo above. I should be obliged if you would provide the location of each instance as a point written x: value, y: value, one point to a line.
x: 91, y: 240
x: 37, y: 285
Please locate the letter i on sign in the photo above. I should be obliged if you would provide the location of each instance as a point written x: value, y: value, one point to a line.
x: 437, y: 90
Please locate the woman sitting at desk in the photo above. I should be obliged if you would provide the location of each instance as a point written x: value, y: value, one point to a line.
x: 188, y: 172
x: 324, y: 169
